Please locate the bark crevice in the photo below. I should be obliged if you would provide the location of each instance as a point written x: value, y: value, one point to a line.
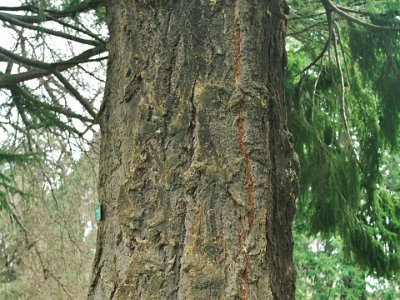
x: 203, y: 127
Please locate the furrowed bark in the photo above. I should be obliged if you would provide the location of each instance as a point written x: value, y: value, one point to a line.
x: 197, y: 176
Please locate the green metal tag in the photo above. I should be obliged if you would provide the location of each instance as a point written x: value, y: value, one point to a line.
x: 97, y: 213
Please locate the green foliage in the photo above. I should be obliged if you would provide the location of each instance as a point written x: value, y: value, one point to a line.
x: 371, y: 50
x: 324, y: 271
x: 344, y: 114
x: 7, y: 181
x: 349, y: 202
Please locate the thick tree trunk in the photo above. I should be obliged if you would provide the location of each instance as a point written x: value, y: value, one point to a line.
x: 197, y: 173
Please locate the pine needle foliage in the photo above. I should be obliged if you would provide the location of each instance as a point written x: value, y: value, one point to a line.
x: 342, y: 98
x: 343, y: 105
x: 324, y: 271
x: 7, y: 181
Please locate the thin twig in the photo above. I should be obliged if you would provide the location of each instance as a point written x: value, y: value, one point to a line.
x: 76, y: 28
x: 314, y: 91
x: 85, y: 103
x: 58, y: 109
x: 343, y: 102
x: 328, y: 40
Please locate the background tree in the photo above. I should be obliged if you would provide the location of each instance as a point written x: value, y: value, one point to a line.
x: 47, y: 240
x: 46, y: 214
x: 342, y: 111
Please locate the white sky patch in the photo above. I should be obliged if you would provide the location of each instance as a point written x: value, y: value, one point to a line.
x: 57, y: 49
x: 10, y: 2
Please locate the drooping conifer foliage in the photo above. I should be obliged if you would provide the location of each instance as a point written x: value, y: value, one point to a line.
x: 342, y: 94
x: 52, y: 65
x: 343, y: 101
x: 48, y: 92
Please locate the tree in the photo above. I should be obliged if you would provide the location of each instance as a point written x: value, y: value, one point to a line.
x: 195, y: 110
x: 198, y: 176
x: 325, y: 271
x: 197, y: 170
x: 342, y: 89
x: 46, y: 241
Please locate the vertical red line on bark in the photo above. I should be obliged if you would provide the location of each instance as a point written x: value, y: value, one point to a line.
x: 244, y: 279
x: 244, y: 285
x: 238, y: 36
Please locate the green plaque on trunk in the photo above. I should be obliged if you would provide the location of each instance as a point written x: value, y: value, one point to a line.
x: 97, y: 213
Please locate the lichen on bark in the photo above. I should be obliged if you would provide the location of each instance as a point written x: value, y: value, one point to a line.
x: 198, y: 176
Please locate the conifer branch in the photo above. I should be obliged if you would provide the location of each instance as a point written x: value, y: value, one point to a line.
x: 85, y: 103
x: 16, y: 8
x: 321, y: 54
x: 351, y: 10
x: 315, y: 92
x: 58, y: 109
x: 7, y: 81
x: 21, y: 111
x: 10, y: 19
x: 302, y: 17
x: 391, y: 59
x: 365, y: 13
x: 76, y: 28
x: 305, y: 29
x: 82, y: 7
x: 342, y: 101
x: 328, y: 40
x: 24, y: 61
x: 344, y: 14
x: 53, y: 69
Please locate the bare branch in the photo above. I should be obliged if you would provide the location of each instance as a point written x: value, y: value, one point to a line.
x: 84, y: 6
x: 76, y: 28
x: 305, y: 29
x: 85, y: 103
x: 16, y: 8
x: 23, y: 60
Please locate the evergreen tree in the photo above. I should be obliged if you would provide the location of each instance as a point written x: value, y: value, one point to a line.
x: 343, y: 95
x: 176, y: 103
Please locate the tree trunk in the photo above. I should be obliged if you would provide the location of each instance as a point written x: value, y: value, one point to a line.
x: 197, y: 175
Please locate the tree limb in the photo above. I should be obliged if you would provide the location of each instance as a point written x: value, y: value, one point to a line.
x: 85, y: 103
x: 7, y: 81
x: 350, y: 18
x: 84, y: 6
x: 76, y: 28
x: 23, y: 60
x: 10, y: 19
x: 328, y: 40
x: 58, y: 109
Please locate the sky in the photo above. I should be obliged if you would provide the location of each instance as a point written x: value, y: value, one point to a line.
x: 64, y: 49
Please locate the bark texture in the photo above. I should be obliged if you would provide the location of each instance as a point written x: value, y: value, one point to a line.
x: 198, y: 176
